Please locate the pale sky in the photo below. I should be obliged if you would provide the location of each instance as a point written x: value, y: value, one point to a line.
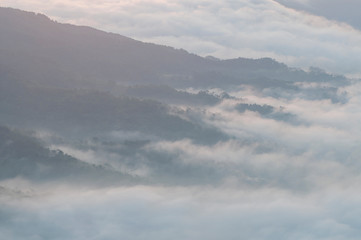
x: 300, y: 33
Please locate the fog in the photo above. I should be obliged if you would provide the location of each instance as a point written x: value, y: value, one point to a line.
x: 173, y: 146
x: 272, y: 179
x: 163, y: 213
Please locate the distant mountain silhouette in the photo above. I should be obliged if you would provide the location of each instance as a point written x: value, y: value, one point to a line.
x: 39, y: 50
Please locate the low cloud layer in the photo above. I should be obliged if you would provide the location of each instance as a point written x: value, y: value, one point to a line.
x: 179, y: 213
x: 272, y: 179
x: 224, y: 29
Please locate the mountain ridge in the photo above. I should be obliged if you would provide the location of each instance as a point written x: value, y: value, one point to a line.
x: 40, y: 50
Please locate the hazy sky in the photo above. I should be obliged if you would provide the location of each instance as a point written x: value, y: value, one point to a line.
x: 347, y: 11
x: 326, y: 36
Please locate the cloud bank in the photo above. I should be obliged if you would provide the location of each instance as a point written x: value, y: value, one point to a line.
x: 272, y: 179
x: 179, y: 213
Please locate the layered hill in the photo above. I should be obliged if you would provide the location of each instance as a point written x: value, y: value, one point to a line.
x: 120, y: 99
